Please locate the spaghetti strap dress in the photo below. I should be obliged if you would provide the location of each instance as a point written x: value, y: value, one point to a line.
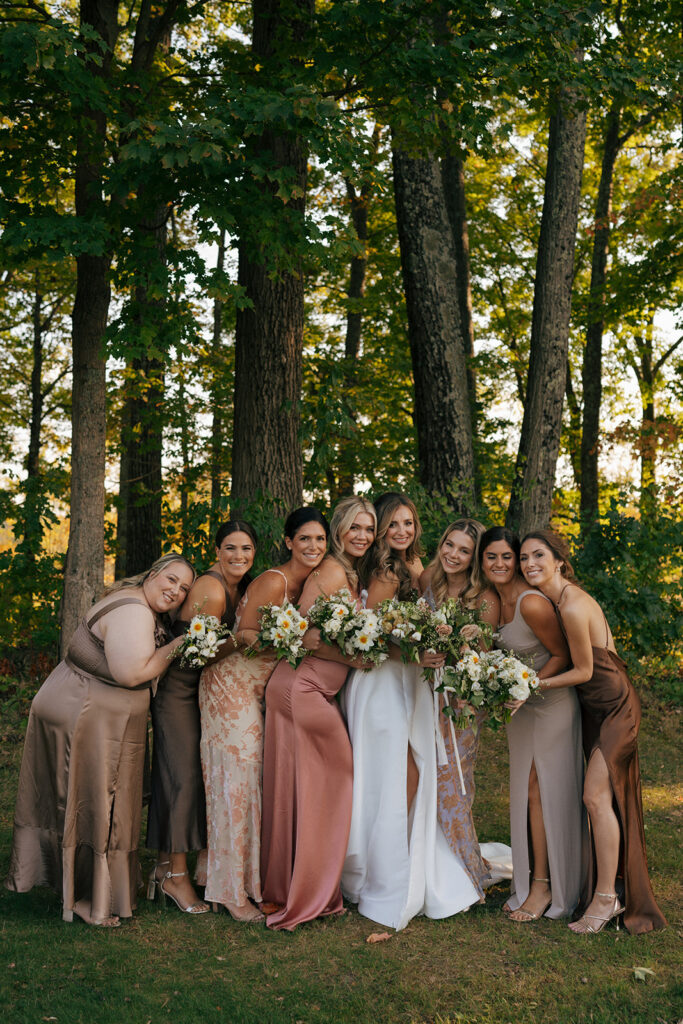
x: 79, y: 803
x: 231, y: 702
x: 610, y: 713
x: 307, y: 792
x: 177, y: 811
x: 545, y: 731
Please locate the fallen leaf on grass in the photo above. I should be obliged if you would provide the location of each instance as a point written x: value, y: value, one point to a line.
x: 378, y: 937
x: 641, y: 973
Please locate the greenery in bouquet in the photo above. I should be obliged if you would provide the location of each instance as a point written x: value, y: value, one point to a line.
x: 488, y: 681
x: 205, y: 635
x: 417, y: 627
x: 282, y: 629
x: 355, y: 631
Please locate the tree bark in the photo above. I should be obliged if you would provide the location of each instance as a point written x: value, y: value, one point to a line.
x: 442, y: 410
x: 85, y: 554
x: 217, y: 427
x: 266, y: 454
x: 592, y: 354
x: 532, y: 491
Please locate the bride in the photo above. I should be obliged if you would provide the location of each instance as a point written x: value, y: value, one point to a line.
x: 398, y: 862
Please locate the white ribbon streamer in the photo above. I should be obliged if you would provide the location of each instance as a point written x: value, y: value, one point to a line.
x: 441, y: 755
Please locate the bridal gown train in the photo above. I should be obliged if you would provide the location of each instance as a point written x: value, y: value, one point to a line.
x: 397, y: 864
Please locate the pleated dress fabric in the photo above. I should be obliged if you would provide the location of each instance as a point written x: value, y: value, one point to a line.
x: 610, y: 711
x: 231, y: 704
x: 307, y: 792
x: 177, y: 810
x: 545, y: 731
x: 79, y: 803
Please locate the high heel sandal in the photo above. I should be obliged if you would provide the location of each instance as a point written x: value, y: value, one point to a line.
x: 153, y: 881
x: 198, y: 907
x: 528, y: 916
x: 617, y: 911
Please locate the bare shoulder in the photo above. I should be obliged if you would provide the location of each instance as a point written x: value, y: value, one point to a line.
x: 489, y: 604
x: 268, y: 588
x: 536, y: 608
x: 329, y: 577
x: 425, y: 580
x: 206, y: 596
x: 578, y: 608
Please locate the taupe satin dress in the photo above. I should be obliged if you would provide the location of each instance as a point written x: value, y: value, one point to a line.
x: 79, y: 803
x: 545, y: 731
x: 177, y: 809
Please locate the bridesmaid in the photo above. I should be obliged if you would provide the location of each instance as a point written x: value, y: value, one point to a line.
x: 307, y: 766
x: 398, y: 863
x: 177, y: 811
x: 77, y: 818
x: 611, y: 718
x: 544, y: 739
x: 454, y: 573
x: 231, y: 706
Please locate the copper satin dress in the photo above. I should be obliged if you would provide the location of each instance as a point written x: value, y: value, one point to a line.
x: 177, y: 809
x: 231, y: 699
x: 79, y: 802
x: 545, y: 731
x: 307, y: 792
x: 610, y: 713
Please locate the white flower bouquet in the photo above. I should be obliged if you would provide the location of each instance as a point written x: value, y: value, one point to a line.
x: 355, y: 631
x: 204, y: 636
x: 416, y: 627
x: 487, y: 681
x: 282, y: 628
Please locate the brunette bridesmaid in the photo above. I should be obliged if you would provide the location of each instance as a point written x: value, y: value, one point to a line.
x: 177, y: 812
x: 231, y: 704
x: 544, y: 740
x: 307, y: 767
x: 616, y: 879
x: 79, y: 804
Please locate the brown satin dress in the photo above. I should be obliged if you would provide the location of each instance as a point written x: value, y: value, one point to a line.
x: 177, y: 809
x: 610, y: 714
x: 79, y: 802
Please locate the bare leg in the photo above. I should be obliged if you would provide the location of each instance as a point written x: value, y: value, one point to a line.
x: 413, y: 779
x: 539, y: 897
x: 597, y: 796
x: 179, y: 887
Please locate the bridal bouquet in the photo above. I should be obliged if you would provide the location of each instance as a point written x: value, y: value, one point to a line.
x: 354, y: 630
x: 416, y: 627
x: 487, y: 681
x: 204, y: 636
x: 283, y: 628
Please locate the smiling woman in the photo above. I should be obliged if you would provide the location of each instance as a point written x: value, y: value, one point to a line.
x: 77, y: 818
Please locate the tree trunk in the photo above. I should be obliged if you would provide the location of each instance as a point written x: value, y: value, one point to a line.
x: 592, y: 354
x: 217, y: 428
x: 442, y: 410
x: 532, y: 491
x: 266, y: 454
x: 85, y: 554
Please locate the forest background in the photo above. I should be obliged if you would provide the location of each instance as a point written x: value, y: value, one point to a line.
x: 255, y: 253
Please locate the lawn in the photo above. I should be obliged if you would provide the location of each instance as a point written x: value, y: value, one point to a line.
x: 475, y: 968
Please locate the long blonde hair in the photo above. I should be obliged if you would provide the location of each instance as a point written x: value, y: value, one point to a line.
x: 341, y: 521
x: 139, y: 578
x: 381, y: 560
x: 475, y: 585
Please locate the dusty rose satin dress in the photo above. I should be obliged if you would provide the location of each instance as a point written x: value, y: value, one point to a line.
x: 307, y: 792
x: 79, y: 803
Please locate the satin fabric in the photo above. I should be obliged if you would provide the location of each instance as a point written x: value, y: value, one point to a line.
x: 610, y: 711
x: 398, y: 864
x: 307, y: 789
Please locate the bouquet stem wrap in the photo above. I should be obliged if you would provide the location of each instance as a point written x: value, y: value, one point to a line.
x: 441, y: 755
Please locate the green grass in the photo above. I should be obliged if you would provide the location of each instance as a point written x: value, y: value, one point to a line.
x: 475, y: 968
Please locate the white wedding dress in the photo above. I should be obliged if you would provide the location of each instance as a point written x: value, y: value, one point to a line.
x: 397, y: 866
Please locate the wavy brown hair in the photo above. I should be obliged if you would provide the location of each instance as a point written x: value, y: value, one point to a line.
x: 381, y: 560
